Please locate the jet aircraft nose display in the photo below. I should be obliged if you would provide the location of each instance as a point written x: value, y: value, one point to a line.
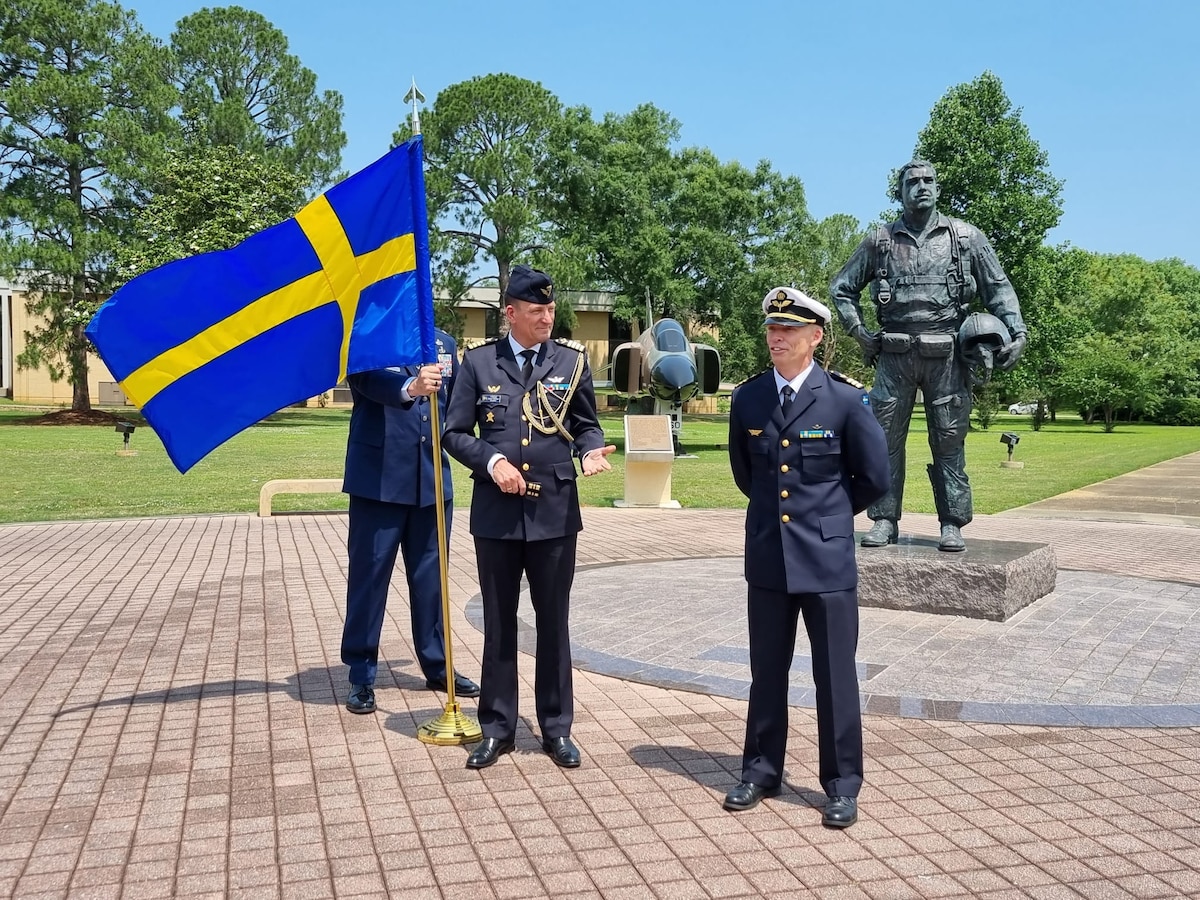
x: 666, y: 369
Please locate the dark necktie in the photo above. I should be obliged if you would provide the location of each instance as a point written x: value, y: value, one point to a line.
x: 787, y: 399
x: 527, y: 366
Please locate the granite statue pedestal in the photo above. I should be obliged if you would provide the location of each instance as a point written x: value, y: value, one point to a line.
x: 989, y: 580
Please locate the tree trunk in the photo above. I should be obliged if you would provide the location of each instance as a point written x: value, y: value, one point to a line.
x: 81, y: 399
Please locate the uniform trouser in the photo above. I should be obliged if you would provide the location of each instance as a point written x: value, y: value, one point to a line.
x: 378, y: 531
x: 831, y: 620
x: 947, y: 414
x: 550, y: 568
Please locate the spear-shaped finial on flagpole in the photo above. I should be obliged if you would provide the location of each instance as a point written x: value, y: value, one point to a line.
x: 415, y: 97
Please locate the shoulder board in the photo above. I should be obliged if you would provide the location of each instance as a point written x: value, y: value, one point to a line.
x: 574, y: 345
x: 846, y: 379
x: 470, y: 344
x: 752, y: 377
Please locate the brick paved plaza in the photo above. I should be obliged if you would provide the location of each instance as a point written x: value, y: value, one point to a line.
x: 172, y: 724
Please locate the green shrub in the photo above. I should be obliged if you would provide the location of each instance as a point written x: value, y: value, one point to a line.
x: 1177, y: 411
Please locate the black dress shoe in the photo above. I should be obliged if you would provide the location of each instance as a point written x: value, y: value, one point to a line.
x: 745, y: 795
x: 840, y: 812
x: 463, y: 686
x: 361, y: 699
x: 563, y: 751
x: 488, y: 751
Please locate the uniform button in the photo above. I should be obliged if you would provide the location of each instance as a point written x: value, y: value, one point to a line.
x: 424, y: 418
x: 783, y: 468
x: 524, y: 442
x: 524, y: 467
x: 785, y: 442
x: 422, y: 439
x: 785, y: 519
x: 783, y: 494
x: 523, y: 419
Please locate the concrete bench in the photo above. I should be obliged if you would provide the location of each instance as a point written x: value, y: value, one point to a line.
x: 295, y: 486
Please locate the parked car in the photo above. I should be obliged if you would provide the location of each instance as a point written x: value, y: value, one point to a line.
x: 1022, y: 409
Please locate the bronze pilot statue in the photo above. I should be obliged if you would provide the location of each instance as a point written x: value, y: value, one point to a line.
x: 924, y: 270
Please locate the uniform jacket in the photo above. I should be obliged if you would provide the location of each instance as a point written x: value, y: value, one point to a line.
x: 806, y: 478
x: 382, y: 462
x: 489, y: 396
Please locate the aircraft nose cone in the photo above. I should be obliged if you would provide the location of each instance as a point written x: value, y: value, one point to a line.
x: 672, y: 377
x: 675, y: 372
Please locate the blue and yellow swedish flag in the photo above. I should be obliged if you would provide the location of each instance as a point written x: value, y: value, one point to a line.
x: 209, y: 345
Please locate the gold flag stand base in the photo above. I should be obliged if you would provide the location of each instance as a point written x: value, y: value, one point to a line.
x: 451, y: 728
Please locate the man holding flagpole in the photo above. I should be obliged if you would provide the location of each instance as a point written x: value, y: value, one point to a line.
x: 390, y: 480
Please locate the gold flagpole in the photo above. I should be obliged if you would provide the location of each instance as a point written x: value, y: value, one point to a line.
x: 453, y: 726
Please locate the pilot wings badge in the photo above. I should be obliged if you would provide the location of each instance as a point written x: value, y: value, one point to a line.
x: 492, y: 388
x: 755, y: 432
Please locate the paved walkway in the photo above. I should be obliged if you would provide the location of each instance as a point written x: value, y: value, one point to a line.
x: 171, y: 726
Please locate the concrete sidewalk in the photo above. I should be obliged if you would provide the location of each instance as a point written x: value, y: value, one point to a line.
x: 171, y: 726
x: 1167, y: 494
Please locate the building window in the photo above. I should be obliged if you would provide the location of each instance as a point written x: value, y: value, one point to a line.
x: 491, y: 323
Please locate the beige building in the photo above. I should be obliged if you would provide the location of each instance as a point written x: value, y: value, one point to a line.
x: 481, y: 312
x: 34, y: 386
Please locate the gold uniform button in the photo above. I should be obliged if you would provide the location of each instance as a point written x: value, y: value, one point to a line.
x: 783, y: 494
x: 523, y: 419
x: 786, y: 443
x: 786, y: 519
x: 525, y: 467
x: 783, y: 468
x: 524, y: 442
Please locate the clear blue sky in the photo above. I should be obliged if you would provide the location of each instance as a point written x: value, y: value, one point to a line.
x: 834, y: 93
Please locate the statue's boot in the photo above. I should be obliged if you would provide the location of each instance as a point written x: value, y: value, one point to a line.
x: 952, y: 539
x: 882, y: 533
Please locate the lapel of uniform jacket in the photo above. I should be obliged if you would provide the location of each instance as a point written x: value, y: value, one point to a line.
x: 813, y: 384
x: 507, y: 361
x: 542, y: 363
x: 770, y: 395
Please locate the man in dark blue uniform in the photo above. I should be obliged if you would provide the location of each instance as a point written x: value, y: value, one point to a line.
x: 389, y: 477
x: 532, y: 401
x: 807, y: 451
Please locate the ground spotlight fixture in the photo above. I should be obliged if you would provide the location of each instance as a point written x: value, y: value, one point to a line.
x: 126, y: 429
x: 1011, y: 439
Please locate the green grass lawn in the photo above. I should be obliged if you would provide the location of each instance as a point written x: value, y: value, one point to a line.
x: 73, y: 472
